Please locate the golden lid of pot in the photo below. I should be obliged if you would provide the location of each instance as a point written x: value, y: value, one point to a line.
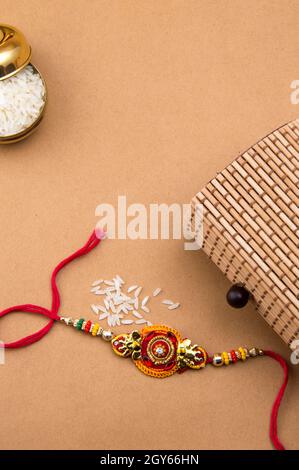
x: 15, y: 52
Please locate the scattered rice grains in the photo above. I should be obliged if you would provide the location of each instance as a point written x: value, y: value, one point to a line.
x: 120, y: 305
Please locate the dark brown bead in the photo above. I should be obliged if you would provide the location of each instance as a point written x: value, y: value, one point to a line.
x: 237, y: 296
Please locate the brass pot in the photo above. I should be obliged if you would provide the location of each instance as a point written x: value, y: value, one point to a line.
x: 15, y: 55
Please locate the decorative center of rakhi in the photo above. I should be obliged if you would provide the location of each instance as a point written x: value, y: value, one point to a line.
x: 158, y: 354
x: 159, y: 351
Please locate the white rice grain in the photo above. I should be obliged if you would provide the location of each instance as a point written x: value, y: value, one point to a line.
x: 131, y: 288
x: 157, y: 291
x: 167, y: 302
x: 101, y: 308
x: 127, y: 322
x: 145, y: 300
x: 173, y: 306
x: 95, y: 309
x: 103, y: 315
x: 94, y: 289
x: 145, y: 309
x: 137, y: 314
x: 120, y: 279
x: 100, y: 292
x: 137, y: 291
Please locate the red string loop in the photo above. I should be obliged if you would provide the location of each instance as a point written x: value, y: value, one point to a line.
x: 52, y: 314
x: 29, y: 308
x: 275, y: 408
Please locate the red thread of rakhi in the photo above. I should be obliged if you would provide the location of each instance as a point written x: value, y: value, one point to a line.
x: 53, y: 313
x: 53, y: 316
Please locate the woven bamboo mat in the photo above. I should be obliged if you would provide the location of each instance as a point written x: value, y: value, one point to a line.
x: 251, y: 226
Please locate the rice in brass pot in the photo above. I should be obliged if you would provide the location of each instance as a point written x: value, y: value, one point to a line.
x: 23, y: 93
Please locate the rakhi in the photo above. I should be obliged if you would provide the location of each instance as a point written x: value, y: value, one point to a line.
x: 158, y: 351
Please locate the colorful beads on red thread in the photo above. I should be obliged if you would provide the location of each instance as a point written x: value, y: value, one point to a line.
x: 95, y: 329
x: 89, y: 327
x: 233, y: 356
x: 243, y: 353
x: 79, y: 323
x: 225, y: 358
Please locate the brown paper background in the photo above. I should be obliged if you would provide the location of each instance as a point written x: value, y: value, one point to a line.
x: 147, y: 99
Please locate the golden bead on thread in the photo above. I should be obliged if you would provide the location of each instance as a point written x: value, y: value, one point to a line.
x: 217, y: 360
